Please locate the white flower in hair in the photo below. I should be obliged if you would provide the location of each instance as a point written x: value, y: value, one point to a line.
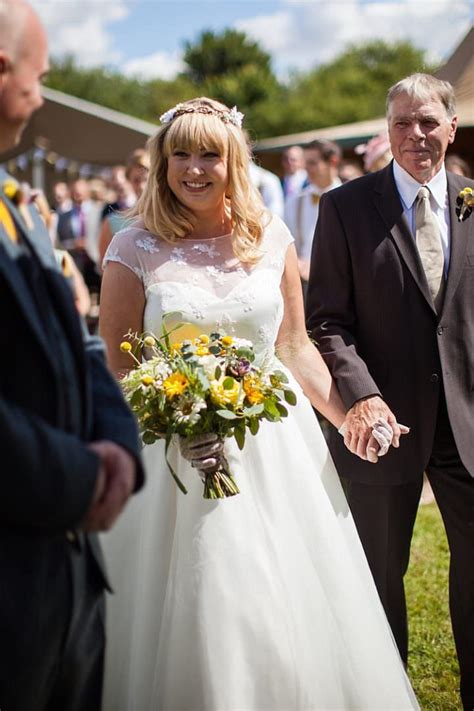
x: 169, y: 115
x: 236, y: 117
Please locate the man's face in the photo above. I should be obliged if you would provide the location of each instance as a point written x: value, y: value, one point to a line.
x: 79, y: 192
x: 293, y: 160
x: 420, y: 132
x: 20, y: 82
x: 318, y: 169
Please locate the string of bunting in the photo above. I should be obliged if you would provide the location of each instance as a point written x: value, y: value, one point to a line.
x: 22, y: 162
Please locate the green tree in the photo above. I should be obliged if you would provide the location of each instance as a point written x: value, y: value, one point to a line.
x: 352, y: 87
x: 218, y: 55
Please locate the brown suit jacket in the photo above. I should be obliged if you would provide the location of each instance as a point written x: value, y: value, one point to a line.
x: 371, y: 314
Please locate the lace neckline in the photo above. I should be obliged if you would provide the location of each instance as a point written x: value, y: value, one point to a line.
x: 203, y: 239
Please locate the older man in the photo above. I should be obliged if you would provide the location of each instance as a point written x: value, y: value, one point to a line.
x: 69, y: 444
x: 390, y: 303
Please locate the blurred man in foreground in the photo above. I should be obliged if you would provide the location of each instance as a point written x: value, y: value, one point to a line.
x: 69, y: 444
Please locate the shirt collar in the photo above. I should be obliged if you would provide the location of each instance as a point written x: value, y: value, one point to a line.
x: 320, y: 191
x: 408, y: 187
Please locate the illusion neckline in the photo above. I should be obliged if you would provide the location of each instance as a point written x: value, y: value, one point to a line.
x: 204, y: 239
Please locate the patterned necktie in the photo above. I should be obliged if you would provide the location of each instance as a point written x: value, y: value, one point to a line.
x: 428, y: 241
x: 315, y: 198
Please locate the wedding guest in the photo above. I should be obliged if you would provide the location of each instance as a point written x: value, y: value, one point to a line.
x: 78, y: 233
x: 457, y: 165
x: 61, y: 197
x: 390, y: 305
x: 227, y: 604
x: 269, y: 187
x: 138, y: 166
x: 349, y: 170
x: 322, y: 158
x: 69, y: 444
x: 294, y: 171
x: 121, y: 193
x: 376, y: 153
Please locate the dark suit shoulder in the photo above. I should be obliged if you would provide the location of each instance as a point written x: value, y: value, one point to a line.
x: 459, y: 181
x: 359, y: 188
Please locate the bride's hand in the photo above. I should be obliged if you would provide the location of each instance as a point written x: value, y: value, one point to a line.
x: 202, y: 451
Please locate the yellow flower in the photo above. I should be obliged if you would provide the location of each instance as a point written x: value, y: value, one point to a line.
x: 175, y: 384
x: 176, y: 346
x: 12, y: 190
x: 224, y: 396
x: 227, y: 340
x: 125, y: 347
x: 149, y: 341
x: 147, y: 380
x: 202, y: 351
x: 203, y: 338
x: 252, y: 390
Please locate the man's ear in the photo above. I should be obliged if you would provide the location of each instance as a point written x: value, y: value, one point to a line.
x: 4, y: 63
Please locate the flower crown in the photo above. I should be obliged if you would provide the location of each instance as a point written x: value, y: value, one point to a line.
x: 233, y: 116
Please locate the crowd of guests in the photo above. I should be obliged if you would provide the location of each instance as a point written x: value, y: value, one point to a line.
x: 85, y: 214
x: 83, y: 217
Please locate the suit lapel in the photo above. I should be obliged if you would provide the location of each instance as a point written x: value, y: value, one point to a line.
x: 9, y: 254
x: 459, y: 233
x: 389, y: 206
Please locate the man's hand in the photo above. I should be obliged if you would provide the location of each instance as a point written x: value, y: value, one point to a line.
x: 115, y: 482
x: 359, y: 424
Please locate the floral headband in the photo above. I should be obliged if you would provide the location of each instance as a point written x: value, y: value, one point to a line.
x: 233, y: 116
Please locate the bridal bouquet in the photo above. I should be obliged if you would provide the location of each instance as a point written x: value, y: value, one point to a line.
x: 209, y: 384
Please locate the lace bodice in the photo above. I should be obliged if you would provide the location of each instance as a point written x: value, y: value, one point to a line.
x: 200, y: 283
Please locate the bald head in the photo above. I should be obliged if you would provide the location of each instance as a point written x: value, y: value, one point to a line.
x: 13, y: 18
x: 23, y: 64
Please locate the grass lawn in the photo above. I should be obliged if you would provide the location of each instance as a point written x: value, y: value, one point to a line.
x: 432, y: 660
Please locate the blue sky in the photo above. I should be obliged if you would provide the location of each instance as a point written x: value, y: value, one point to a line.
x: 146, y: 37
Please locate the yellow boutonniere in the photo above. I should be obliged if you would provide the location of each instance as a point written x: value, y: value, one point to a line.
x: 12, y: 190
x: 465, y: 203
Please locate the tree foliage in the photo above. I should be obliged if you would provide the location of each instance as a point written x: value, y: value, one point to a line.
x: 235, y: 70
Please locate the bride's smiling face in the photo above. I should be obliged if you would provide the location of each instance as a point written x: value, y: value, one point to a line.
x: 198, y: 178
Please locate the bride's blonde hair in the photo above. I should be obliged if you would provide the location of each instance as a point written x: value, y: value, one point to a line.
x: 202, y: 124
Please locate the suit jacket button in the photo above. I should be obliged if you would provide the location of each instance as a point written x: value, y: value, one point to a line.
x: 434, y: 378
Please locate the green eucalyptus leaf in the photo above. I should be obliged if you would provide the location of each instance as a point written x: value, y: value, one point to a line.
x: 226, y: 414
x: 290, y: 397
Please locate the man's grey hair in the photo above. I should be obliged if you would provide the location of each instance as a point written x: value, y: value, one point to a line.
x: 424, y: 87
x: 13, y: 14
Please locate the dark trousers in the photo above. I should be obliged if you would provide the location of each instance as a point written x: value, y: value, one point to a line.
x: 65, y: 673
x: 385, y: 517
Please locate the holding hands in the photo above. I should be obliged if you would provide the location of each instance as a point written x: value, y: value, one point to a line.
x: 370, y: 428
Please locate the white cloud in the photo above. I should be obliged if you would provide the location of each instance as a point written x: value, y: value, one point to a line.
x: 162, y: 65
x: 306, y: 33
x: 81, y: 28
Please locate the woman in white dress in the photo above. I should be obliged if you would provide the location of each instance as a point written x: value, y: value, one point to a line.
x: 262, y: 601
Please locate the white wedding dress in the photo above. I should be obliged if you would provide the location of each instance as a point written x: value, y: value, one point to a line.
x: 263, y: 601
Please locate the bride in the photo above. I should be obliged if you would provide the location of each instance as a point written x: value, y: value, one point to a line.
x: 262, y: 601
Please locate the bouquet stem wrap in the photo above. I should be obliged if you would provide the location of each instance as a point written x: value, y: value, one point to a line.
x: 219, y: 482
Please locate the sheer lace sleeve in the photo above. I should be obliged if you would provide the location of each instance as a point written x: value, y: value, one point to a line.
x: 276, y: 241
x: 136, y: 249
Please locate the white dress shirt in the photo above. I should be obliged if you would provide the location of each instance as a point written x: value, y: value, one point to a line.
x: 269, y: 186
x: 301, y: 215
x: 438, y: 186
